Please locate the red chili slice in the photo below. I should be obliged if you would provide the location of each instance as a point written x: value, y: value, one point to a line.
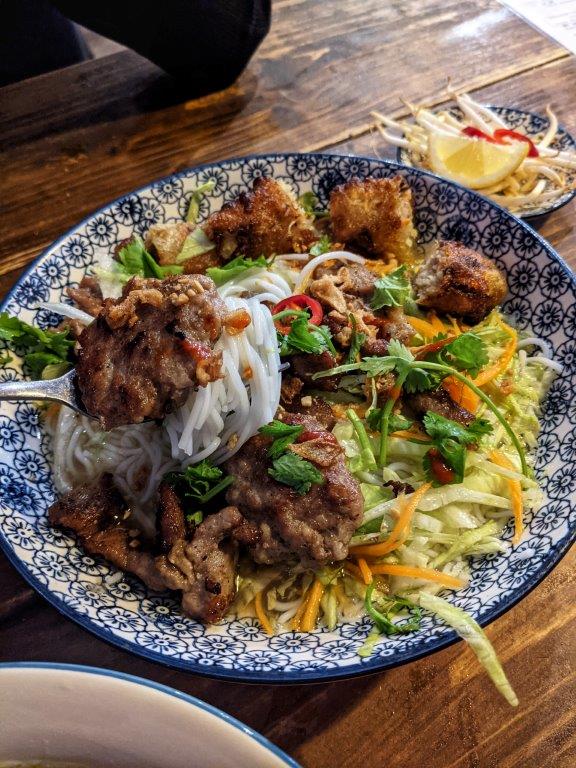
x: 476, y: 133
x: 504, y: 133
x: 441, y: 471
x: 299, y: 302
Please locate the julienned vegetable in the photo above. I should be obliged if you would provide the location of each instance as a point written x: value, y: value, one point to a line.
x: 472, y: 632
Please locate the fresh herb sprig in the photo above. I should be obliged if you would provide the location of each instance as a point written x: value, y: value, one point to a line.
x: 282, y: 435
x: 303, y: 336
x: 451, y: 440
x: 311, y: 206
x: 198, y: 484
x: 420, y: 375
x: 287, y: 467
x: 322, y: 246
x: 47, y: 353
x: 391, y: 290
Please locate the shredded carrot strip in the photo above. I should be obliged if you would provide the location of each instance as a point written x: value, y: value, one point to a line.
x: 312, y: 607
x: 462, y: 394
x: 297, y: 619
x: 423, y: 327
x: 261, y: 614
x: 500, y: 365
x: 400, y: 531
x: 410, y: 434
x: 427, y: 574
x: 436, y: 323
x: 353, y: 570
x: 365, y: 570
x: 515, y: 489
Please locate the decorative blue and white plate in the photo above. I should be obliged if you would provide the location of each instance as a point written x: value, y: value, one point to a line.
x: 119, y: 609
x: 534, y: 126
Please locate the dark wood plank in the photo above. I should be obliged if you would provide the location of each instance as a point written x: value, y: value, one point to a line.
x: 76, y: 139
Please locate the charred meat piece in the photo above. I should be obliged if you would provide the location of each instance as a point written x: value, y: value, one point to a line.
x: 374, y: 216
x: 87, y: 295
x: 265, y: 221
x: 145, y: 350
x: 170, y: 520
x: 305, y: 366
x: 99, y: 517
x: 459, y: 281
x: 279, y: 523
x: 437, y: 401
x: 313, y: 407
x: 204, y: 568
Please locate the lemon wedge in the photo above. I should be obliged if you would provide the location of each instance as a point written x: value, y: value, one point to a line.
x: 475, y: 163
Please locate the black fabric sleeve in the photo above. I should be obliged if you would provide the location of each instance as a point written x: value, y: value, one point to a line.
x: 204, y: 44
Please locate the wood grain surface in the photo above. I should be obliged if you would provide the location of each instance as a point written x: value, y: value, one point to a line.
x: 74, y: 139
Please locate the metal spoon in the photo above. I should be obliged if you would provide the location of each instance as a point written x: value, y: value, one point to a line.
x: 62, y: 390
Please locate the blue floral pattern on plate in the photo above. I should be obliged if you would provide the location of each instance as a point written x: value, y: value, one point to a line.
x: 118, y: 607
x: 532, y: 125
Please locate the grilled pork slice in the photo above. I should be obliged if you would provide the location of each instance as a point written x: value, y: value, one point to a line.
x: 204, y: 566
x: 266, y: 221
x: 145, y: 350
x: 374, y: 217
x: 458, y: 281
x: 100, y: 518
x: 438, y: 401
x: 279, y: 524
x: 201, y: 563
x: 87, y: 295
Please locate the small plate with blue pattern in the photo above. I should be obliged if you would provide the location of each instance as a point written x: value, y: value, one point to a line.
x: 533, y: 126
x: 119, y: 608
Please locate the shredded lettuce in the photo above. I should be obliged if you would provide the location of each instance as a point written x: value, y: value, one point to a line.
x: 470, y: 631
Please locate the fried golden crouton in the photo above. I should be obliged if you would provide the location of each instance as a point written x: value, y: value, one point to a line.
x: 165, y: 241
x: 458, y: 281
x: 374, y: 216
x: 262, y: 222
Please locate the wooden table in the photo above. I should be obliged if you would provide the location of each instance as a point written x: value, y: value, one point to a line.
x: 76, y: 138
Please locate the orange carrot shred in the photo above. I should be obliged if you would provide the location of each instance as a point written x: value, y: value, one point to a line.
x: 427, y: 574
x: 400, y: 531
x: 515, y: 489
x: 423, y: 327
x: 261, y: 614
x: 312, y: 607
x: 365, y: 570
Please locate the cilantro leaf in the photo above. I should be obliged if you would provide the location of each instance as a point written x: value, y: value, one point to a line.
x: 466, y: 353
x: 235, y: 268
x: 294, y: 471
x: 391, y: 290
x: 41, y: 348
x: 199, y: 482
x: 311, y: 205
x: 450, y: 439
x: 322, y: 246
x: 395, y: 422
x: 305, y: 337
x: 282, y: 434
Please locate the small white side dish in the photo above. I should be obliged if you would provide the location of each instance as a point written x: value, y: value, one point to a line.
x: 100, y: 718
